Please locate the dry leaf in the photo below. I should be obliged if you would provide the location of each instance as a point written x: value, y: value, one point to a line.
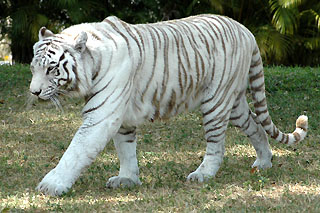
x: 253, y: 170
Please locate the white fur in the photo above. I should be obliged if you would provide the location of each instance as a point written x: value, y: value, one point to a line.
x: 133, y: 73
x: 129, y: 170
x: 211, y: 163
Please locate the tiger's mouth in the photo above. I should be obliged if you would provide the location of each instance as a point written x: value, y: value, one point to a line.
x: 48, y: 93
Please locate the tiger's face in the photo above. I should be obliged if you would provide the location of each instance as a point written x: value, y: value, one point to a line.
x: 54, y: 65
x: 48, y: 76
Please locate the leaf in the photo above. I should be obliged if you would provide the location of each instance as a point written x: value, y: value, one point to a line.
x: 254, y: 170
x: 316, y: 17
x: 272, y: 44
x: 312, y: 43
x: 290, y: 3
x: 284, y: 19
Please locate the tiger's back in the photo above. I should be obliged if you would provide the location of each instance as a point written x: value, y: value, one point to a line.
x: 175, y: 62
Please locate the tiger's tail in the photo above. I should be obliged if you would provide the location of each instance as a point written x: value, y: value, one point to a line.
x: 257, y: 86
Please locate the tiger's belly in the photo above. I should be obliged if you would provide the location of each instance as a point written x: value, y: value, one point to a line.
x: 151, y: 109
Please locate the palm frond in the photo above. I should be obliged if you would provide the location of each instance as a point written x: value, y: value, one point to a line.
x: 312, y: 43
x: 285, y: 20
x: 273, y: 45
x: 316, y: 17
x: 290, y: 3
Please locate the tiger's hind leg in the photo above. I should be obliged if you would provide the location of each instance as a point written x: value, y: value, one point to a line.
x: 243, y: 118
x: 125, y: 144
x: 215, y: 122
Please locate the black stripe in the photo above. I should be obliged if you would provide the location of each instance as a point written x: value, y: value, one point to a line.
x: 52, y: 52
x: 94, y: 94
x: 62, y: 57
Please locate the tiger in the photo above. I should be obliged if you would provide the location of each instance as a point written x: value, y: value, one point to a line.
x: 129, y: 74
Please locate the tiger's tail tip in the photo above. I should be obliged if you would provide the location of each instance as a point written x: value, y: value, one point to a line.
x: 302, y: 122
x: 301, y: 129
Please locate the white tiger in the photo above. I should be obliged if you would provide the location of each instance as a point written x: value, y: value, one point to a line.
x: 129, y: 74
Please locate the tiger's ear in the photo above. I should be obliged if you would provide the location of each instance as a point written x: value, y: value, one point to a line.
x: 81, y: 42
x: 44, y: 33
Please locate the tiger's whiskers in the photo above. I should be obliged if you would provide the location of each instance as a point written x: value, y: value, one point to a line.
x: 30, y: 101
x: 56, y: 102
x: 62, y: 92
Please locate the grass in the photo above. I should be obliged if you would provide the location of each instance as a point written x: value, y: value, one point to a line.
x: 33, y: 140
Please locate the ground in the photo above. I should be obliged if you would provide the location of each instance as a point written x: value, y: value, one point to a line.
x: 34, y: 137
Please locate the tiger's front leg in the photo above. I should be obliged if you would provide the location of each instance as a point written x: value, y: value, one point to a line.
x: 125, y: 143
x: 89, y: 140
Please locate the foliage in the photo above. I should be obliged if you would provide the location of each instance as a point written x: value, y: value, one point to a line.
x: 287, y: 31
x: 33, y: 141
x: 27, y: 17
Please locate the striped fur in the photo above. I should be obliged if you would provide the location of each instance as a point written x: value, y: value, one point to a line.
x: 129, y: 74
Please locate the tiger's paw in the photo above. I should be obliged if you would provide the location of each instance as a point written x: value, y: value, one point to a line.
x: 52, y: 184
x: 262, y: 164
x: 123, y: 182
x: 198, y: 176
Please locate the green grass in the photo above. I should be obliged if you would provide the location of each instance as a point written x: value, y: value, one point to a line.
x: 33, y: 140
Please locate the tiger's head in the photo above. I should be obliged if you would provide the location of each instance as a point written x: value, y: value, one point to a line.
x: 57, y: 67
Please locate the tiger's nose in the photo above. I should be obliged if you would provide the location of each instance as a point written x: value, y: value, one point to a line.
x: 37, y: 93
